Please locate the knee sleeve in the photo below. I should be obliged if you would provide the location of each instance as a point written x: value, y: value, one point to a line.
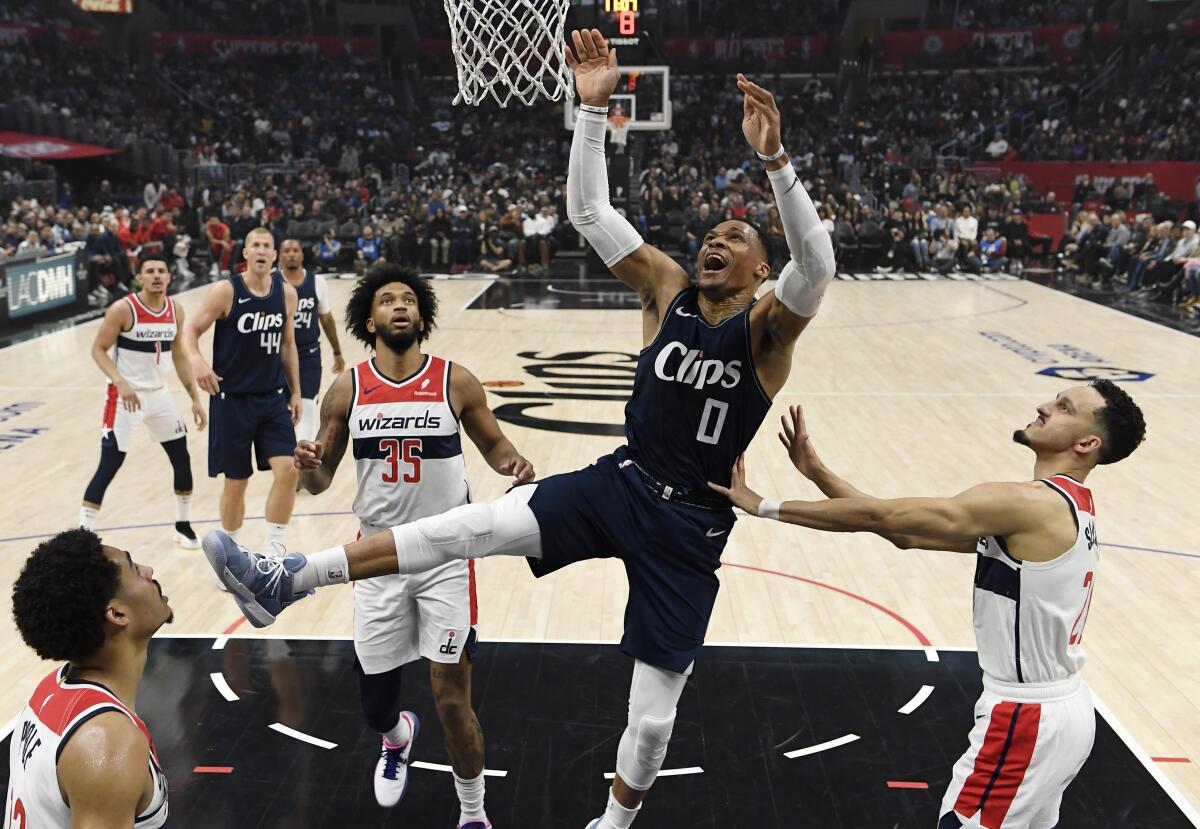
x: 111, y: 459
x: 653, y: 696
x: 306, y: 429
x: 181, y: 463
x: 506, y: 526
x: 380, y: 698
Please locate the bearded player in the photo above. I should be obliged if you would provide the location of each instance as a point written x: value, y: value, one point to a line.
x: 401, y: 412
x: 1035, y: 569
x: 713, y: 358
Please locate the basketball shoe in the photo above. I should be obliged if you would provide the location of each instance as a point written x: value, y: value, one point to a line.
x: 391, y: 772
x: 261, y: 584
x: 185, y: 536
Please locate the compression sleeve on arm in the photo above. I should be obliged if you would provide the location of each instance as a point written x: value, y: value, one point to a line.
x: 588, y: 207
x: 804, y: 279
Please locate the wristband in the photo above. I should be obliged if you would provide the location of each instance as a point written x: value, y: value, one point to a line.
x: 589, y: 108
x: 777, y: 154
x: 769, y: 509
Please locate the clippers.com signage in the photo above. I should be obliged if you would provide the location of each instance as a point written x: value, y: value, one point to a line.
x: 224, y: 44
x: 1064, y: 41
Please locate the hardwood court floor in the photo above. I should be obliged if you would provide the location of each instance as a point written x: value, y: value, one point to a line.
x: 909, y: 388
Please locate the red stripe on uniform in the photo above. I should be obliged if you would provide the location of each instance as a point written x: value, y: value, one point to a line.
x: 986, y: 760
x: 212, y: 770
x: 1013, y: 767
x: 906, y: 784
x: 474, y: 598
x: 1081, y: 495
x: 110, y: 408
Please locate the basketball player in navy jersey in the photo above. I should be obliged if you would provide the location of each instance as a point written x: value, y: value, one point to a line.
x: 312, y: 306
x: 129, y: 350
x: 254, y: 382
x: 80, y: 755
x: 713, y: 358
x: 400, y: 411
x: 1036, y: 559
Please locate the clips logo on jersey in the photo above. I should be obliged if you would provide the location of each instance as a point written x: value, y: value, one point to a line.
x: 694, y: 371
x: 304, y: 312
x: 271, y: 341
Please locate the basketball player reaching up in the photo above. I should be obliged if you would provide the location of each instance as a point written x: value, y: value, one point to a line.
x: 401, y: 412
x: 1035, y: 569
x: 254, y: 382
x: 312, y: 306
x: 129, y: 348
x: 713, y: 357
x: 79, y: 754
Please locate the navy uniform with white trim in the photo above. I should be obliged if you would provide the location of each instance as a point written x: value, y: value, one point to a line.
x: 696, y: 405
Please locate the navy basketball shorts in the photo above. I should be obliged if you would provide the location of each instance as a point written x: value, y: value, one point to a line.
x: 671, y: 553
x: 310, y: 370
x: 238, y: 422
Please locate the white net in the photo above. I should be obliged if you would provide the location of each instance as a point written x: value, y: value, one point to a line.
x: 509, y: 49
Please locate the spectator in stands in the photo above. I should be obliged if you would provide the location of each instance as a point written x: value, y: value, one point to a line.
x: 464, y: 235
x: 31, y: 245
x: 1117, y: 261
x: 698, y: 228
x: 990, y: 255
x: 538, y: 228
x: 492, y: 254
x: 327, y: 252
x: 220, y: 243
x: 369, y: 250
x: 997, y: 148
x: 1016, y: 237
x: 1155, y: 250
x: 1163, y: 277
x: 152, y: 193
x: 942, y: 251
x: 437, y: 239
x: 966, y: 228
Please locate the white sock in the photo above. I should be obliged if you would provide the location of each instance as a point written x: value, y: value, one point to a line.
x: 87, y: 517
x: 470, y: 798
x: 183, y: 507
x: 275, y: 534
x: 617, y: 816
x: 400, y: 733
x: 323, y: 568
x: 236, y: 535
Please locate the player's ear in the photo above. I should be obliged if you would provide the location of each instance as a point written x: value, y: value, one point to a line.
x: 116, y: 614
x: 370, y: 325
x: 1089, y: 445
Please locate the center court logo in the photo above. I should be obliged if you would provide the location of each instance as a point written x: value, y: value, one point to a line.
x: 601, y: 380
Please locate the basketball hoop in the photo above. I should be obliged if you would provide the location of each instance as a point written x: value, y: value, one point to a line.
x: 509, y: 49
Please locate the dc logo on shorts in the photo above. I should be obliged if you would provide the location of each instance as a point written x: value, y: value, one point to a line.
x: 1117, y: 375
x: 450, y: 648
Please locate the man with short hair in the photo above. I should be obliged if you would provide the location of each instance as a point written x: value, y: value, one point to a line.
x: 80, y: 756
x: 254, y: 383
x: 312, y: 307
x: 1036, y: 557
x: 137, y: 330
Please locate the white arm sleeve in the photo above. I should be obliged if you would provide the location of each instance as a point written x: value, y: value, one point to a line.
x: 322, y: 294
x: 804, y: 279
x: 588, y: 207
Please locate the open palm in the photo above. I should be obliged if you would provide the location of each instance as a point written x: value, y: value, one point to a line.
x: 594, y: 65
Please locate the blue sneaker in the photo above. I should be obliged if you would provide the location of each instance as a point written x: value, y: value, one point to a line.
x: 391, y: 772
x: 261, y: 584
x: 476, y: 824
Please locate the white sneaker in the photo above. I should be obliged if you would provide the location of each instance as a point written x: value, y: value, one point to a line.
x: 391, y: 772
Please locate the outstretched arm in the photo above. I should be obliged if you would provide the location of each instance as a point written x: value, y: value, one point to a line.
x: 787, y: 311
x: 184, y: 369
x: 650, y: 272
x: 470, y: 400
x: 318, y: 460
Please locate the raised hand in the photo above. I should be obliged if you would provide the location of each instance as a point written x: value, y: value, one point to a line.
x: 794, y: 437
x: 594, y: 65
x: 760, y: 122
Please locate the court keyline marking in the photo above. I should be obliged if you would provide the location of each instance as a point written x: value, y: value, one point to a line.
x: 348, y: 513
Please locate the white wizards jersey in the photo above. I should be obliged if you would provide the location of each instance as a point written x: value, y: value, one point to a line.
x: 142, y: 353
x: 407, y: 448
x: 1029, y: 616
x: 55, y: 711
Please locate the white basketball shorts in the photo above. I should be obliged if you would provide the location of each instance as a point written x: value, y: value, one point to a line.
x: 1028, y: 743
x: 399, y: 619
x: 158, y: 411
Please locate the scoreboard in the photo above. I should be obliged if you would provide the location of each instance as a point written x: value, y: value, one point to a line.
x: 625, y: 14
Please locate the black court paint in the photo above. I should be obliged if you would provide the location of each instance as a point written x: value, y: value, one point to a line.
x: 552, y: 715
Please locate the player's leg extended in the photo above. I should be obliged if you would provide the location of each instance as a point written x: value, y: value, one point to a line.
x: 653, y: 696
x: 451, y: 686
x: 264, y: 585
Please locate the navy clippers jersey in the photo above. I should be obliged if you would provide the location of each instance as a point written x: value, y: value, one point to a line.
x: 696, y: 398
x: 307, y: 332
x: 247, y: 343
